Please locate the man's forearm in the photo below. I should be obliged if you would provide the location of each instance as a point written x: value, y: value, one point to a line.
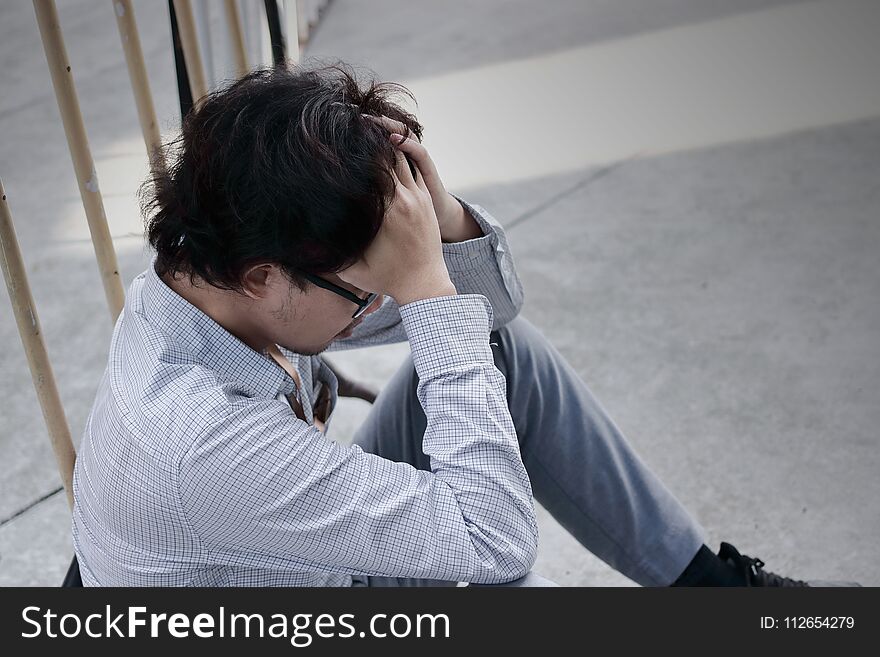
x: 470, y: 439
x: 462, y: 229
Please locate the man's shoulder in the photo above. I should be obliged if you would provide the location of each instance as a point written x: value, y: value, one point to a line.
x: 172, y: 384
x: 168, y: 399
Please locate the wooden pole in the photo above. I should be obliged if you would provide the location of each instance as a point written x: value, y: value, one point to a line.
x: 34, y: 348
x: 291, y: 29
x: 186, y: 24
x: 236, y: 33
x: 302, y: 20
x: 140, y: 84
x: 78, y: 144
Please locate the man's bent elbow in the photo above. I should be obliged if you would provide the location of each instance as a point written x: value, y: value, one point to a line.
x: 530, y: 553
x: 503, y: 315
x: 518, y: 560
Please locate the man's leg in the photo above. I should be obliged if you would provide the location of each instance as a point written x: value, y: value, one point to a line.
x: 582, y: 469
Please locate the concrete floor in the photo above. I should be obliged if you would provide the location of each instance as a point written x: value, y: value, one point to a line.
x: 691, y: 195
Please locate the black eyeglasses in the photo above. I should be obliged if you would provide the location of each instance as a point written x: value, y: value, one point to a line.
x: 362, y: 304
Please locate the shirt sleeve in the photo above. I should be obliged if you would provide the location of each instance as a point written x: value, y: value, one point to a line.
x: 264, y: 487
x: 483, y: 265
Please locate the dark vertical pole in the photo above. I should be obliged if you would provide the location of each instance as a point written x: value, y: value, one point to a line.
x: 183, y: 90
x: 276, y: 36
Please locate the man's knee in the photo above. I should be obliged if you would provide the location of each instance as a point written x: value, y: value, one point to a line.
x: 520, y: 339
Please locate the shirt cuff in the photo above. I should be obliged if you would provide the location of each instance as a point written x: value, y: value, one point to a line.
x: 448, y: 332
x: 460, y: 256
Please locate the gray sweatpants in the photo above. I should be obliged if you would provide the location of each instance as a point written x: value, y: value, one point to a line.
x: 582, y: 469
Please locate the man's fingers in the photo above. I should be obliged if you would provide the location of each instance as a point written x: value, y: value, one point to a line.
x: 423, y: 163
x: 389, y: 124
x: 426, y: 177
x: 397, y: 182
x: 420, y: 179
x: 396, y: 173
x: 403, y: 170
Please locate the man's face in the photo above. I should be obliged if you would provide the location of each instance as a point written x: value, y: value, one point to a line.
x: 307, y: 322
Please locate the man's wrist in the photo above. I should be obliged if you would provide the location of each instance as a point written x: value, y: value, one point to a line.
x: 438, y: 289
x: 447, y: 334
x: 462, y: 227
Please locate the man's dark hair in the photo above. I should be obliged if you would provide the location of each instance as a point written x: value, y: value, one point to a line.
x: 279, y: 167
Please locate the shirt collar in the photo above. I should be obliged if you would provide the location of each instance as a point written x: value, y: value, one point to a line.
x: 211, y: 344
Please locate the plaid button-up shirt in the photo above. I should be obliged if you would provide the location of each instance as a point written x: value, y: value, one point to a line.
x: 193, y: 470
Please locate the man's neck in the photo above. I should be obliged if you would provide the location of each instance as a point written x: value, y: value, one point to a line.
x: 219, y: 305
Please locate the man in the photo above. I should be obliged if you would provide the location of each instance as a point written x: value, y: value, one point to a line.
x: 293, y: 220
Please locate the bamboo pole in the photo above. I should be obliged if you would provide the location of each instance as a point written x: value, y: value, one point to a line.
x: 291, y: 30
x: 302, y: 21
x: 236, y: 34
x: 34, y: 348
x: 202, y: 13
x: 140, y: 84
x: 78, y: 144
x: 186, y: 25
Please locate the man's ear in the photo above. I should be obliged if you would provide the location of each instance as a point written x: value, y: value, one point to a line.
x: 258, y: 280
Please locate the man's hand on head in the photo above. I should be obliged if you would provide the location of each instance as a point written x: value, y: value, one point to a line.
x: 451, y: 215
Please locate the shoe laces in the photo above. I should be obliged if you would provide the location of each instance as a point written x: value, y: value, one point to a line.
x: 754, y: 573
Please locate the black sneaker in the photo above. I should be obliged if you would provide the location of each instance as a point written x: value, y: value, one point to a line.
x: 752, y: 570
